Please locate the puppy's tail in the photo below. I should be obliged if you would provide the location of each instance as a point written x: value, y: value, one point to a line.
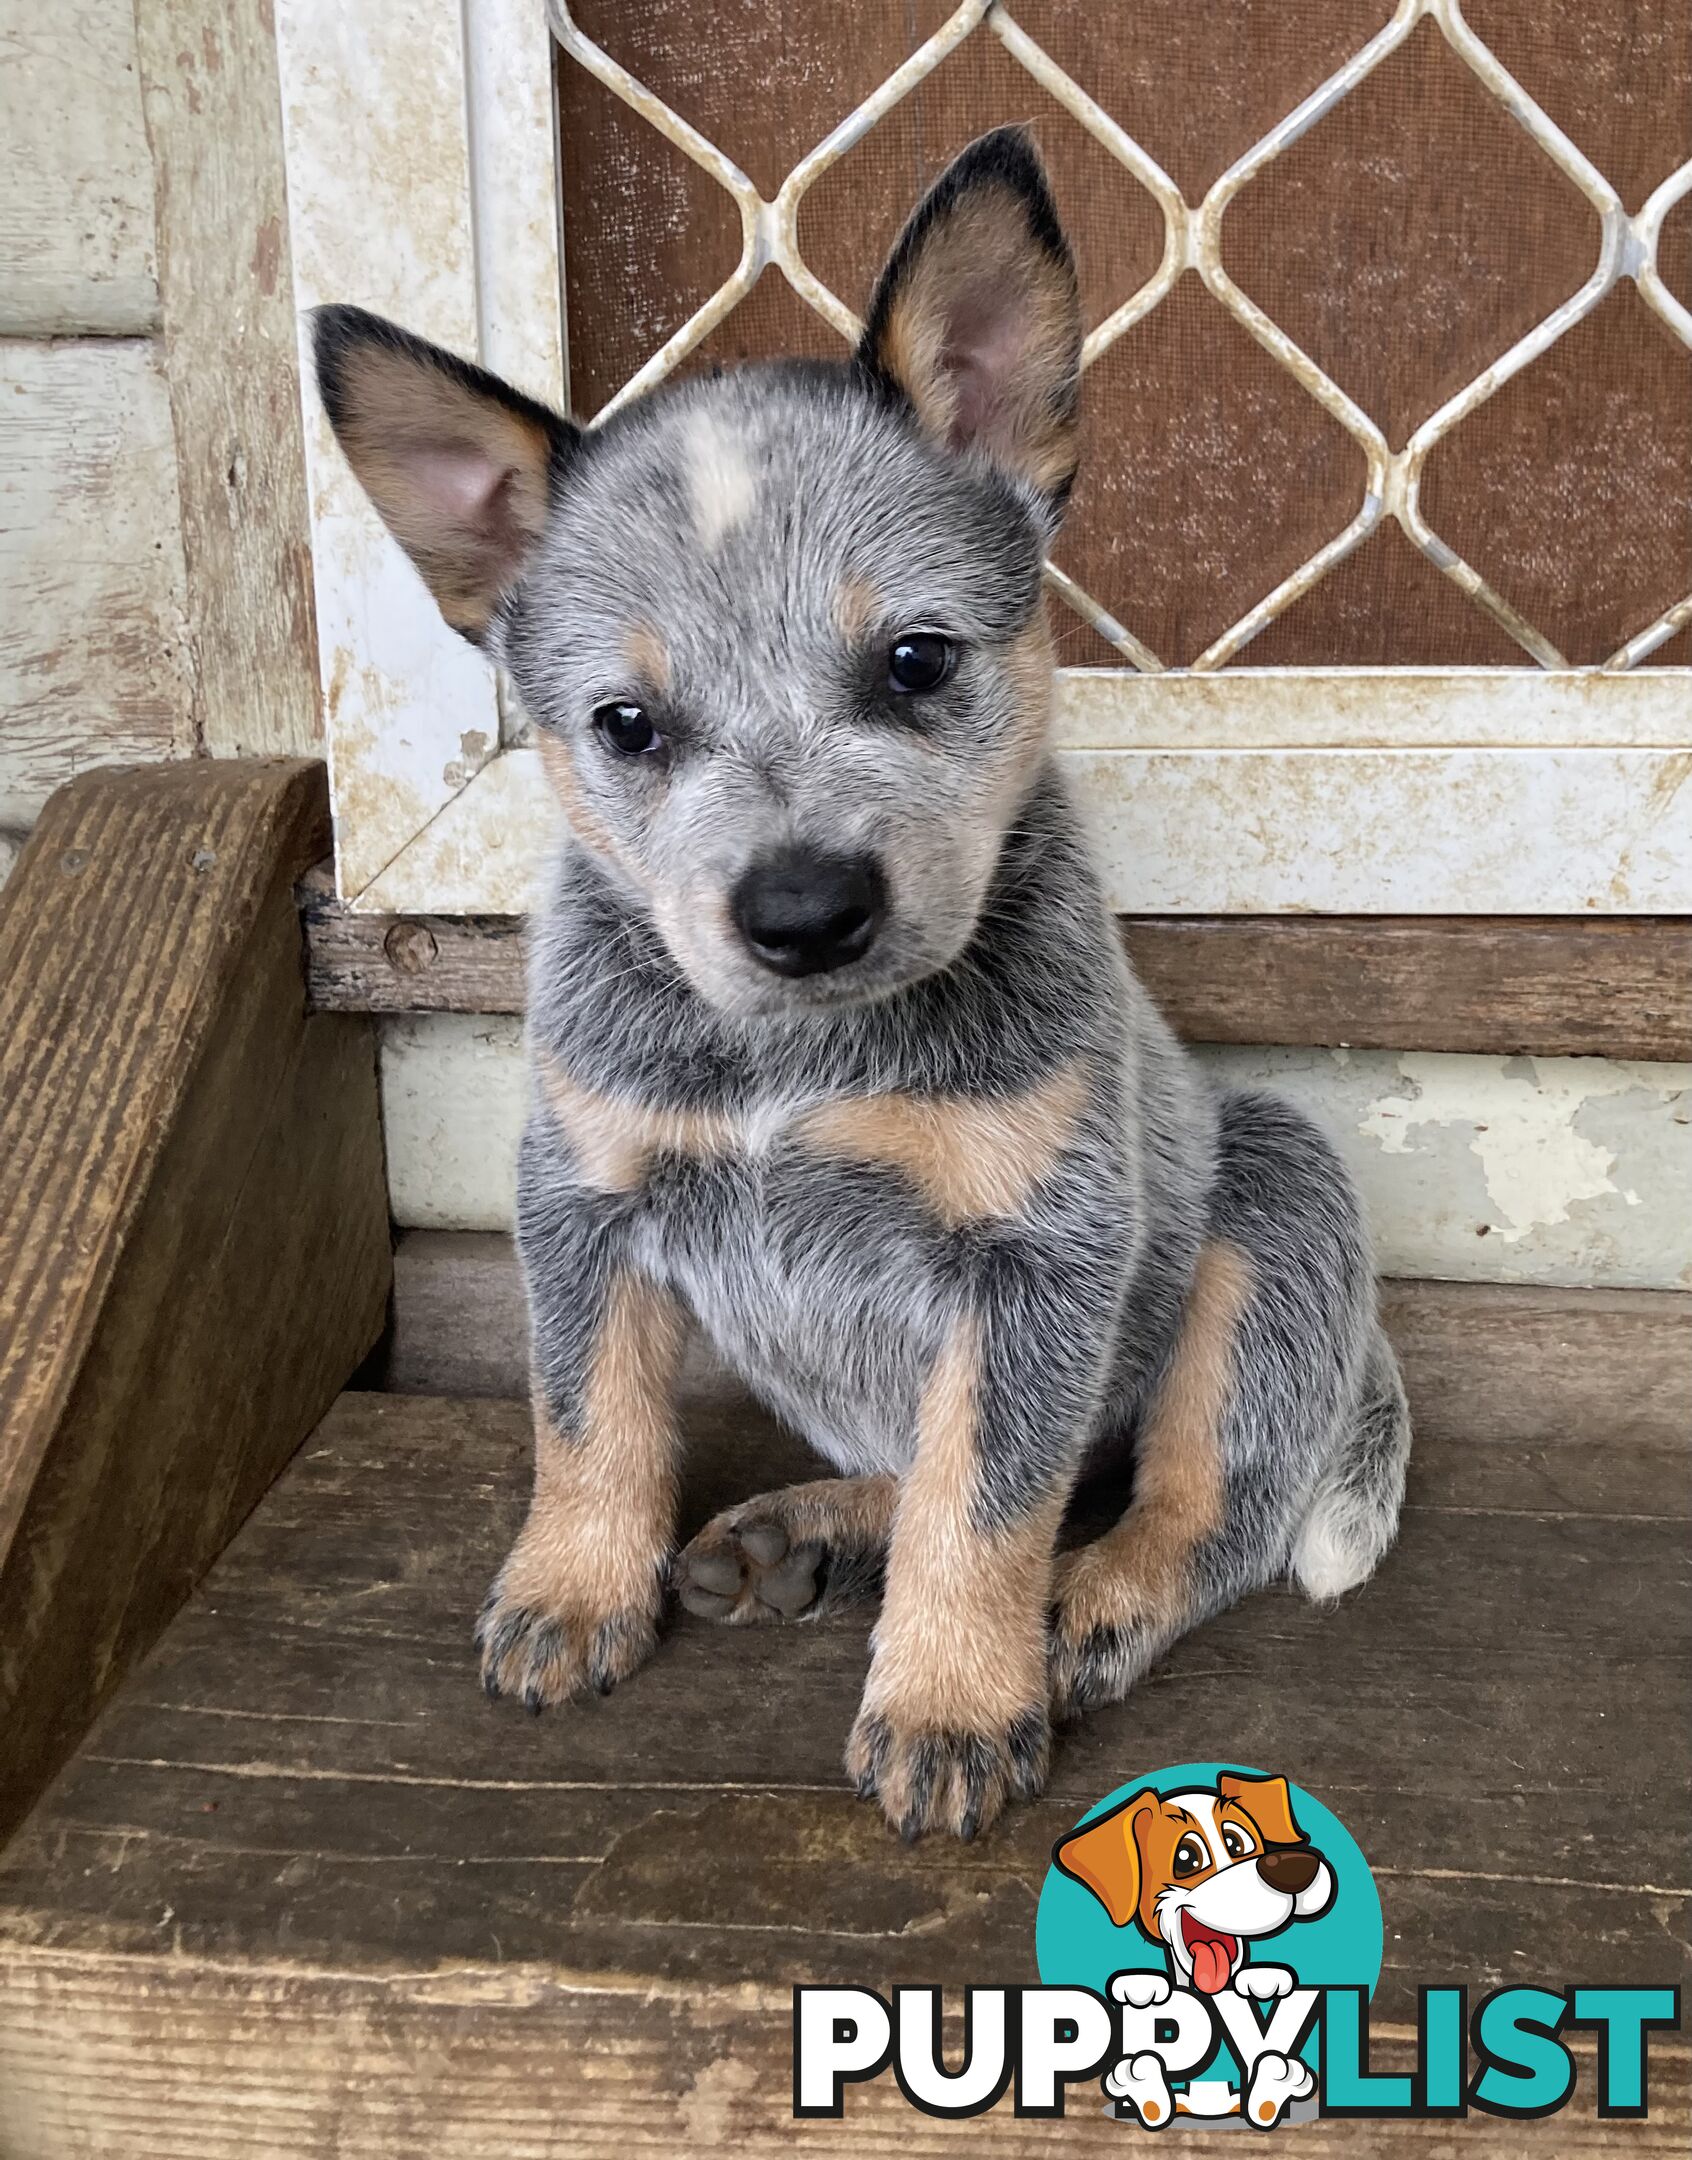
x: 1353, y: 1514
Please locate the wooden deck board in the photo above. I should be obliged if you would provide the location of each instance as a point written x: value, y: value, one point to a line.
x: 301, y: 1836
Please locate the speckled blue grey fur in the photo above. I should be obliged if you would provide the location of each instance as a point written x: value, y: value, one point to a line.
x: 836, y: 1054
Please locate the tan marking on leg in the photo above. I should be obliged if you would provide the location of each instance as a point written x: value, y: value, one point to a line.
x: 953, y: 1720
x: 972, y: 1161
x: 602, y: 1514
x: 647, y: 654
x: 837, y: 1509
x: 614, y: 1140
x: 1136, y: 1574
x: 857, y: 609
x: 604, y: 1500
x: 720, y: 481
x: 961, y: 1642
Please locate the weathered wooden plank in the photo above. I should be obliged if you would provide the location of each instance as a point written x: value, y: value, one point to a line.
x: 1513, y: 1364
x: 408, y: 963
x: 95, y: 666
x: 214, y: 121
x: 193, y: 1224
x: 364, y: 1870
x: 534, y: 2065
x: 76, y: 182
x: 1530, y: 986
x: 460, y: 1325
x: 1538, y: 987
x: 1491, y: 831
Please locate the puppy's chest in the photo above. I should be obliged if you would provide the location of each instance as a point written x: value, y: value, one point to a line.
x: 810, y: 1233
x: 787, y: 1164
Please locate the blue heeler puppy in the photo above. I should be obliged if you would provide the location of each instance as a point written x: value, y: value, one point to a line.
x: 835, y: 1053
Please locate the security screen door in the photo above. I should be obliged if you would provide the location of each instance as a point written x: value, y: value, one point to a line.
x: 1376, y: 592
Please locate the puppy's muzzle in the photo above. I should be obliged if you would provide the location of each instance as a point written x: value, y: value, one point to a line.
x: 804, y: 913
x: 1290, y: 1870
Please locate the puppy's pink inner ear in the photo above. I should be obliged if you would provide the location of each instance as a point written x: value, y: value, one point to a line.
x: 985, y: 351
x: 459, y: 483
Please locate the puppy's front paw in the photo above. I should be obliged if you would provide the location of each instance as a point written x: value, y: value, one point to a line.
x: 938, y: 1778
x: 544, y: 1638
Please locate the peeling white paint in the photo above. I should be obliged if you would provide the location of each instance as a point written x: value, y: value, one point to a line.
x: 1549, y: 1170
x: 1535, y: 1163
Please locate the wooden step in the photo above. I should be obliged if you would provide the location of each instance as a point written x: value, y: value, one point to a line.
x: 303, y: 1892
x: 194, y: 1249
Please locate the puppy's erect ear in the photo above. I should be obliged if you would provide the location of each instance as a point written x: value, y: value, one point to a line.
x: 1268, y: 1801
x: 1104, y: 1855
x: 460, y: 466
x: 977, y: 319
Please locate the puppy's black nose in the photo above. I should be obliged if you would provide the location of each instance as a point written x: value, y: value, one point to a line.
x: 1289, y: 1870
x: 803, y: 913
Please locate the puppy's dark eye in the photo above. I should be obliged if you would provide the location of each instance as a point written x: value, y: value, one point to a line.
x: 921, y: 661
x: 1190, y: 1856
x: 627, y: 729
x: 1237, y: 1842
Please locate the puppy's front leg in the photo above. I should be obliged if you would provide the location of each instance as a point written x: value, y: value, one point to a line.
x: 954, y: 1716
x: 577, y: 1601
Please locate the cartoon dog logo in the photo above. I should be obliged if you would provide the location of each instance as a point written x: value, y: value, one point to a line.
x: 1204, y: 1874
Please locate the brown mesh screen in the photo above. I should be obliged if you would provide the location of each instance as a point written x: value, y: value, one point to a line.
x: 1405, y: 242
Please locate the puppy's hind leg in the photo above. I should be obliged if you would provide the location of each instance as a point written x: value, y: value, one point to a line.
x: 1120, y: 1602
x: 798, y: 1552
x: 1277, y: 1433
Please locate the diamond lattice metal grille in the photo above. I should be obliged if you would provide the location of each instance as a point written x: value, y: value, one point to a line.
x: 1193, y: 241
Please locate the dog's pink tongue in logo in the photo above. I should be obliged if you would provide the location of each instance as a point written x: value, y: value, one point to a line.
x: 1213, y: 1954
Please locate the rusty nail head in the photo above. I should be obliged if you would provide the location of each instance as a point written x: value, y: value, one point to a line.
x: 410, y: 948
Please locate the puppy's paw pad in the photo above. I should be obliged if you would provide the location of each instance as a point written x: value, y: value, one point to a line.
x: 748, y: 1568
x: 1141, y: 1990
x: 542, y: 1658
x: 929, y: 1778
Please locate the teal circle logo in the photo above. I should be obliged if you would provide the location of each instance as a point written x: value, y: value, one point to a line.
x: 1209, y: 1880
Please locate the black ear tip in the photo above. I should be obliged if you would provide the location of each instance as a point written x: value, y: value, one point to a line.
x: 1009, y: 151
x: 337, y: 329
x: 1006, y: 154
x: 1008, y: 157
